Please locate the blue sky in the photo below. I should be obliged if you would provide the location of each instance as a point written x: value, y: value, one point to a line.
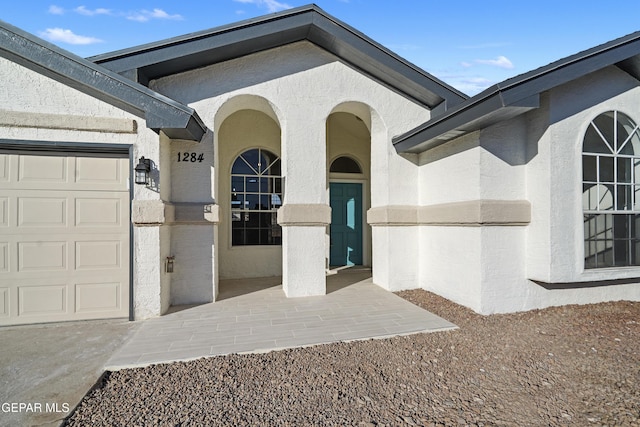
x: 468, y: 44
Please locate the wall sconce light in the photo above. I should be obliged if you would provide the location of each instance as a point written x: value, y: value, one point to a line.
x: 142, y: 171
x: 168, y: 265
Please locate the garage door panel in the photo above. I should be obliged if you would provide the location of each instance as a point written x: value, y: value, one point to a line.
x: 4, y: 257
x: 4, y: 302
x: 49, y: 299
x: 4, y: 168
x: 42, y: 211
x: 95, y: 255
x: 64, y: 238
x: 92, y: 170
x: 24, y: 171
x: 99, y: 212
x: 43, y: 169
x: 4, y: 212
x: 42, y: 256
x: 103, y: 211
x: 98, y: 297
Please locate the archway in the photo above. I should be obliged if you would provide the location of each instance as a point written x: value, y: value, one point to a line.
x: 249, y: 191
x: 349, y: 186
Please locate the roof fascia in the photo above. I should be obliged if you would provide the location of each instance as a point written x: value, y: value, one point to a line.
x: 206, y: 47
x: 62, y: 66
x: 304, y: 23
x: 515, y: 96
x: 469, y: 118
x: 358, y: 50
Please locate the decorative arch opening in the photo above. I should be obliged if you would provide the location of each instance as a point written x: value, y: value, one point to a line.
x: 611, y: 191
x: 345, y: 164
x: 349, y: 183
x: 249, y: 191
x: 246, y: 102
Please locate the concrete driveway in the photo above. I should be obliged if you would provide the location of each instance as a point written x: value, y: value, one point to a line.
x: 45, y: 370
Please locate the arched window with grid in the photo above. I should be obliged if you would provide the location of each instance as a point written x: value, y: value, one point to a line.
x: 611, y: 191
x: 256, y: 194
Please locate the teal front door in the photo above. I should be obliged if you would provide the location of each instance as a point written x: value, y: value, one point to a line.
x: 346, y: 223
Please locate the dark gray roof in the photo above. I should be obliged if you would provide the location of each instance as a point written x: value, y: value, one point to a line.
x: 519, y: 94
x: 155, y: 60
x: 161, y: 113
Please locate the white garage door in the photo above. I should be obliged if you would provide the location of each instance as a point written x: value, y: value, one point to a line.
x: 64, y: 238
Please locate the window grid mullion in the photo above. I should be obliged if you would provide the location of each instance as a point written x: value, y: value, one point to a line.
x: 615, y: 132
x: 603, y: 138
x: 609, y: 225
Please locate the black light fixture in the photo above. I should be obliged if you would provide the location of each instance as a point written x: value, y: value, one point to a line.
x: 142, y: 171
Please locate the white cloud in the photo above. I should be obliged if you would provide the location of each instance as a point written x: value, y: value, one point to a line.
x: 147, y: 15
x: 500, y: 62
x: 82, y: 10
x: 67, y: 36
x: 485, y: 45
x: 271, y: 5
x: 468, y: 84
x: 56, y: 10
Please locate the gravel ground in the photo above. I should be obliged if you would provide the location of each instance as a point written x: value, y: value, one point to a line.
x: 572, y: 365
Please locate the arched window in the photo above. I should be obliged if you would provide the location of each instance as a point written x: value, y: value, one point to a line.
x: 256, y: 194
x: 611, y: 191
x: 345, y: 164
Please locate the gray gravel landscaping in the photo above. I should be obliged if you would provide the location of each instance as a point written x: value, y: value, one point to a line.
x: 572, y: 365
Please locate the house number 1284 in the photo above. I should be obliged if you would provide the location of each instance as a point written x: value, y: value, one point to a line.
x: 190, y: 157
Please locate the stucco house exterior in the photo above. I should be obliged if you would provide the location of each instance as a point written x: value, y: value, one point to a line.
x: 289, y: 144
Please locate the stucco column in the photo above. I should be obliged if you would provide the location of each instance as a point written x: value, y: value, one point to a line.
x: 151, y: 294
x: 305, y: 213
x: 303, y: 248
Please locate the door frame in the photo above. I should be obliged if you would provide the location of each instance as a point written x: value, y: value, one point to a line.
x: 337, y: 178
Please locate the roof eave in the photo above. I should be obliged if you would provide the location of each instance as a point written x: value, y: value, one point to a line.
x: 308, y: 23
x: 518, y: 95
x: 463, y: 120
x: 94, y: 80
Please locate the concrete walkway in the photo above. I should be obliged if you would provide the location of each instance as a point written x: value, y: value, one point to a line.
x: 255, y: 316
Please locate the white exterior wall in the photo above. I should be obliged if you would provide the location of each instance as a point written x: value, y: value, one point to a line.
x: 470, y: 264
x: 396, y: 261
x: 556, y: 236
x: 450, y: 263
x: 298, y: 86
x: 450, y: 172
x: 26, y: 91
x: 535, y: 157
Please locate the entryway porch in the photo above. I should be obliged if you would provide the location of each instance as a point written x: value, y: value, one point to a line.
x: 253, y: 315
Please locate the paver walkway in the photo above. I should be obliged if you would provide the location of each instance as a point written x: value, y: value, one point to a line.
x: 254, y: 316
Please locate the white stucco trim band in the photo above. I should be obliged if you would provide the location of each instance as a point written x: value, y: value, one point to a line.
x: 304, y: 215
x: 25, y: 119
x: 157, y: 212
x: 472, y: 213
